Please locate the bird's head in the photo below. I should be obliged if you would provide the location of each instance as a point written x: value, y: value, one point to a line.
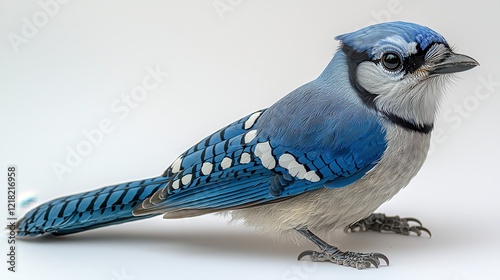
x: 400, y: 69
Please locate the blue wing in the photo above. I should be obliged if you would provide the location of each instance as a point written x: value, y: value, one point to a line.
x: 304, y: 142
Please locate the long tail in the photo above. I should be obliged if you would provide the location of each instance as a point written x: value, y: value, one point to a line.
x: 98, y: 208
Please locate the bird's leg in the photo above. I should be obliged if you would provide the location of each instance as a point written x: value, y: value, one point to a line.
x: 333, y: 254
x: 382, y: 223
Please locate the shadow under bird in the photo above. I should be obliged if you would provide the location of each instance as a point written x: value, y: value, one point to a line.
x: 324, y: 157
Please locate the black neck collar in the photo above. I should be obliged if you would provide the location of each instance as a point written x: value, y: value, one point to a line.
x: 421, y: 128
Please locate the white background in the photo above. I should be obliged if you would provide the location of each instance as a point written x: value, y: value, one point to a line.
x: 63, y: 78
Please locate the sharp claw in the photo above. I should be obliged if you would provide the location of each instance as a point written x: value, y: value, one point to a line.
x: 304, y: 254
x: 382, y: 256
x: 373, y: 262
x: 415, y: 230
x: 395, y: 224
x: 413, y: 220
x: 418, y: 230
x: 425, y: 230
x: 332, y: 254
x: 356, y: 260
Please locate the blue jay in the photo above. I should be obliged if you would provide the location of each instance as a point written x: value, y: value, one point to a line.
x: 324, y: 157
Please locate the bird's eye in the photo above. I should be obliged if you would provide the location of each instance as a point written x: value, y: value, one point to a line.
x: 391, y: 61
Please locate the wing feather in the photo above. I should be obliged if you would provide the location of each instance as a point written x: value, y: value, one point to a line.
x: 269, y: 156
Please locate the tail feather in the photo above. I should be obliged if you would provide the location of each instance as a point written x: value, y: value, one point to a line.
x: 94, y: 209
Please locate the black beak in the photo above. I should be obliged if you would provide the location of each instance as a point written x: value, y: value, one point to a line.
x: 454, y: 63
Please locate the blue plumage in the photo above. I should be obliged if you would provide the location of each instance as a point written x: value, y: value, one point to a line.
x: 352, y: 150
x: 323, y: 157
x: 97, y: 208
x: 369, y: 38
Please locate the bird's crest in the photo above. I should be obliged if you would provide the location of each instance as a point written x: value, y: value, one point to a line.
x: 414, y: 35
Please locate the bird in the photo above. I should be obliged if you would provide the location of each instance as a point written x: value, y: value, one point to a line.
x: 323, y: 157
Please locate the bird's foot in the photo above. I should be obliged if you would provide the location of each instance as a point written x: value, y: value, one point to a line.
x: 352, y: 259
x: 333, y: 254
x: 382, y: 223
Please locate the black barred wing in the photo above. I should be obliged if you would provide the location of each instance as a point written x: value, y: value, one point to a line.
x: 238, y: 166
